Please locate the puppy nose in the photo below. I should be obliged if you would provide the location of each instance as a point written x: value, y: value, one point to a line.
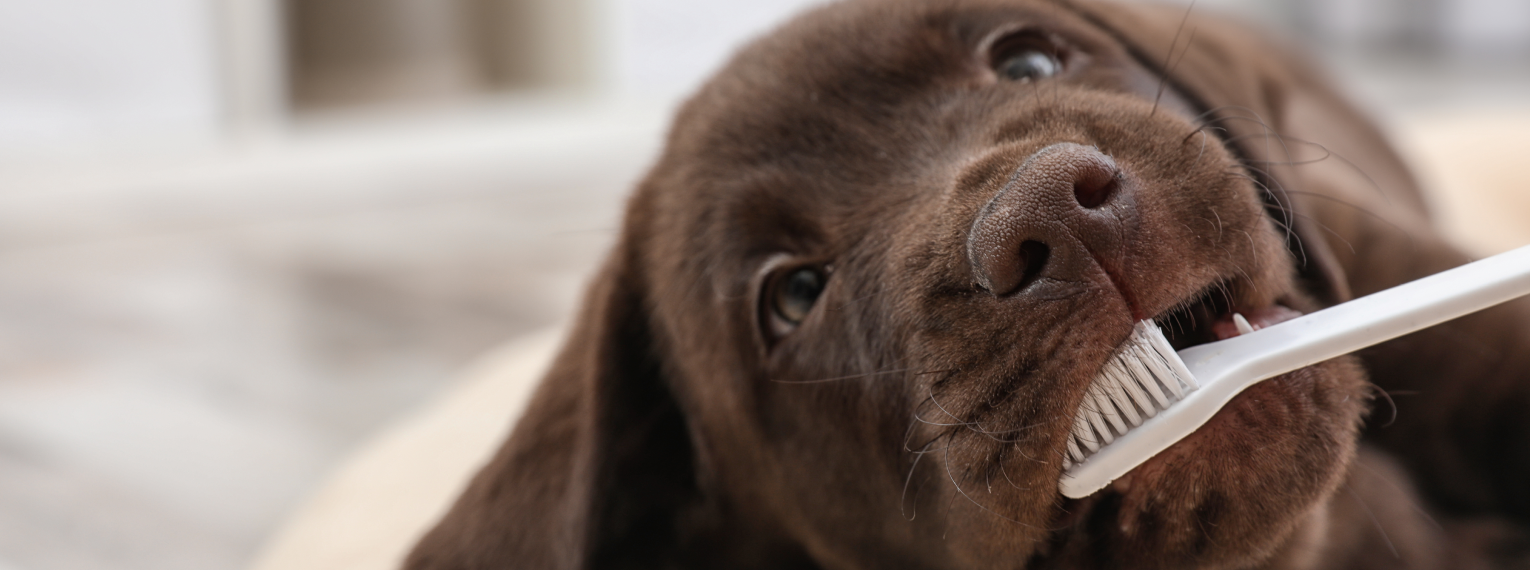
x: 1047, y: 220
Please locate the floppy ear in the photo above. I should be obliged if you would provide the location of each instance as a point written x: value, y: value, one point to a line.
x: 596, y: 467
x: 1244, y: 89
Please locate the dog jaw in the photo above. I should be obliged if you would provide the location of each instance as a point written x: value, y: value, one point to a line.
x: 1021, y: 361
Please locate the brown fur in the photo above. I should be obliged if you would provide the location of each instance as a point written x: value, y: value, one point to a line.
x: 917, y: 417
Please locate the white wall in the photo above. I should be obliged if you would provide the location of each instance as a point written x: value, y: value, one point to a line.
x: 83, y: 72
x: 80, y: 72
x: 667, y: 48
x: 1488, y: 27
x: 74, y: 71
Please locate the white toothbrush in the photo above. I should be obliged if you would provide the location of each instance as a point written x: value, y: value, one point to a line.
x: 1147, y: 398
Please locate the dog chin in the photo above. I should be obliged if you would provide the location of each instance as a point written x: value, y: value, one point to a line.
x: 1212, y: 495
x: 1244, y: 482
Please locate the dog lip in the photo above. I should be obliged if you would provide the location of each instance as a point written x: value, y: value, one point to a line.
x: 1189, y: 322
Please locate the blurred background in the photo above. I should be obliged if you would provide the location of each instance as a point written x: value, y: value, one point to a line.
x: 238, y: 236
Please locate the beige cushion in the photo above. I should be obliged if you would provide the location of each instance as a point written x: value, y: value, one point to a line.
x: 1474, y: 164
x: 371, y: 510
x: 380, y: 500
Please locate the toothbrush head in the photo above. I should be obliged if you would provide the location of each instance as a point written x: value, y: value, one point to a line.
x: 1144, y: 378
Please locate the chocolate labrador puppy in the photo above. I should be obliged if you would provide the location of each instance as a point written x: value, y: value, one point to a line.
x: 855, y: 306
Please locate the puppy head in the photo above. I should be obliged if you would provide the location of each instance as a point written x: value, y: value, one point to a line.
x: 884, y: 254
x: 890, y: 246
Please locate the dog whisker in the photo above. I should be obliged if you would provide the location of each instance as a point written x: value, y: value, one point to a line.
x: 1284, y: 139
x: 1377, y: 390
x: 952, y: 477
x: 1407, y: 496
x: 1375, y: 521
x: 1314, y: 221
x: 1201, y: 153
x: 903, y: 500
x: 1293, y: 239
x: 1005, y: 473
x: 1329, y: 153
x: 856, y: 376
x: 1413, y: 240
x: 1168, y: 60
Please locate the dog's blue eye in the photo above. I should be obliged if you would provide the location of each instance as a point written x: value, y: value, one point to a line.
x: 796, y: 293
x: 1028, y: 65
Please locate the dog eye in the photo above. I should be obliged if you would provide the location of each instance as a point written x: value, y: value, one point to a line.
x: 1028, y: 65
x: 795, y: 295
x: 1024, y: 56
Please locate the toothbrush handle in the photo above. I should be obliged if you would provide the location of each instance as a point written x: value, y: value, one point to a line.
x: 1365, y: 321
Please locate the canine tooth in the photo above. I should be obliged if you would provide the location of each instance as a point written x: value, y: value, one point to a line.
x: 1242, y: 324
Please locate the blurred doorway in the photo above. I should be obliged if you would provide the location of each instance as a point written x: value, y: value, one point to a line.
x: 360, y: 52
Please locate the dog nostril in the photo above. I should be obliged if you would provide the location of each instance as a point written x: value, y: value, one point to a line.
x: 1095, y: 184
x: 1033, y: 258
x: 1009, y: 245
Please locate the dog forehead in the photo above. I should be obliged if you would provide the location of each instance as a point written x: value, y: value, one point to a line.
x: 846, y: 98
x: 850, y: 78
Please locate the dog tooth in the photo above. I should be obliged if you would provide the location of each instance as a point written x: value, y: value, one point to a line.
x: 1241, y: 323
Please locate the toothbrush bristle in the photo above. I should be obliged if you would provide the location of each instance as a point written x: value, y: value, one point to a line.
x: 1144, y: 377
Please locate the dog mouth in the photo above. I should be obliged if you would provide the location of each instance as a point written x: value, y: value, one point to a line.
x: 1119, y: 391
x: 1214, y: 314
x: 1209, y: 317
x: 1193, y: 322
